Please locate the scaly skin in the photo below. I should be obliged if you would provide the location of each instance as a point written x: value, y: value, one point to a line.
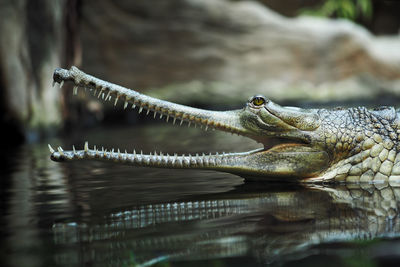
x: 313, y: 145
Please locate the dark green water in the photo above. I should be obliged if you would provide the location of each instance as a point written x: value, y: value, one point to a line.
x: 97, y: 214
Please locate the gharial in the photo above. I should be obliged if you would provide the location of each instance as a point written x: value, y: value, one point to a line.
x: 309, y: 145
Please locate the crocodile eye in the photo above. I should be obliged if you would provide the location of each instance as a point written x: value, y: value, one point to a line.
x: 258, y: 101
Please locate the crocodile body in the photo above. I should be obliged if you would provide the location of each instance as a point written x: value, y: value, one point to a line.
x: 309, y: 145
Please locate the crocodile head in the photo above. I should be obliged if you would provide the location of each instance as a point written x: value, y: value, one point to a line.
x: 292, y: 146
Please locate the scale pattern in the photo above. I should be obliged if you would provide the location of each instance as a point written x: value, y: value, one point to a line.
x: 364, y: 145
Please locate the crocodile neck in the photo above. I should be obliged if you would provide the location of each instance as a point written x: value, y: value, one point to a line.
x: 363, y: 144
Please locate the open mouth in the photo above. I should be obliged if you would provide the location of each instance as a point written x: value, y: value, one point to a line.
x: 171, y: 112
x: 276, y: 156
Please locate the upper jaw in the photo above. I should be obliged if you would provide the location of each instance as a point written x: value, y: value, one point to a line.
x: 228, y: 121
x: 269, y: 121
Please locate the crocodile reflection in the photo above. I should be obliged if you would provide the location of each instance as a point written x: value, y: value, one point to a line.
x: 270, y: 223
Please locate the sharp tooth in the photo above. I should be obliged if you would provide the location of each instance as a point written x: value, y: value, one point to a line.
x: 101, y: 93
x: 167, y: 118
x: 212, y: 161
x: 116, y: 100
x: 189, y: 124
x: 95, y: 92
x: 125, y: 104
x: 133, y: 106
x: 73, y: 148
x: 75, y: 90
x: 174, y: 121
x: 154, y: 115
x: 108, y: 95
x: 50, y: 148
x: 148, y: 111
x: 86, y: 147
x: 61, y: 84
x: 53, y: 83
x: 161, y: 115
x: 60, y: 150
x: 206, y: 128
x: 181, y: 122
x: 140, y: 109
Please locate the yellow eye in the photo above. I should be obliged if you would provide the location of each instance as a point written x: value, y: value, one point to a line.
x: 258, y: 101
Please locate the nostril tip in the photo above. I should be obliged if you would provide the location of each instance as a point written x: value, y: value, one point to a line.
x: 57, y: 75
x: 60, y: 75
x: 53, y: 157
x: 57, y: 157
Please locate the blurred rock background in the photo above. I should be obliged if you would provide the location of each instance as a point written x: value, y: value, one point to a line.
x: 35, y: 37
x: 205, y: 53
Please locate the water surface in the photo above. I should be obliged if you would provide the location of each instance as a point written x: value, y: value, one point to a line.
x: 98, y: 214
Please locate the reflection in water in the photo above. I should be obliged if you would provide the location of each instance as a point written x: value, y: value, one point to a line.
x: 272, y: 224
x: 99, y: 214
x: 36, y: 195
